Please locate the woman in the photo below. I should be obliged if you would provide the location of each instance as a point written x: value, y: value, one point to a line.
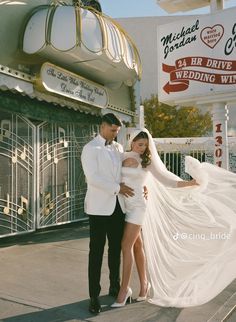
x: 189, y: 233
x: 134, y: 163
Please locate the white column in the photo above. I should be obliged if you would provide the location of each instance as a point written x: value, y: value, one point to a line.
x: 141, y: 117
x: 220, y: 116
x: 216, y: 5
x: 221, y: 149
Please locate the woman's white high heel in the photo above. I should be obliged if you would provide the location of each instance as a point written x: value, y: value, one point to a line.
x: 128, y: 296
x: 143, y: 298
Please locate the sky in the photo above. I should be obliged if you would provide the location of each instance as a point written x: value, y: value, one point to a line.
x: 145, y: 8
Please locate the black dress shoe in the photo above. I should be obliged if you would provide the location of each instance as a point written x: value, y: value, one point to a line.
x: 94, y: 305
x: 113, y: 291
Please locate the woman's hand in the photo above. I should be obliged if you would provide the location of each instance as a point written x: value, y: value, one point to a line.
x: 145, y: 192
x: 182, y: 184
x: 193, y: 182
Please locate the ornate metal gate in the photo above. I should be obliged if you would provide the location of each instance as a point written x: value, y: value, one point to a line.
x: 17, y: 172
x: 61, y: 185
x: 41, y: 178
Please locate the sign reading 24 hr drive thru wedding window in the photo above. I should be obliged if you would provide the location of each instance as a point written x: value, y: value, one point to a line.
x: 197, y: 57
x: 57, y: 80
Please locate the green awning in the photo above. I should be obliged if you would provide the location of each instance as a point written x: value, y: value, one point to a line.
x: 43, y: 111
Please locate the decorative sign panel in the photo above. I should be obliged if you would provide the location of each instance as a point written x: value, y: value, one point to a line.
x: 197, y: 57
x: 59, y: 81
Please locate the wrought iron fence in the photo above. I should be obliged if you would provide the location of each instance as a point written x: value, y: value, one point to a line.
x: 173, y: 151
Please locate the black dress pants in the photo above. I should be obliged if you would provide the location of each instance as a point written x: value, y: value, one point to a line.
x: 101, y: 227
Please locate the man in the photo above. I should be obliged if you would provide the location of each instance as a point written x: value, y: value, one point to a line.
x: 101, y: 161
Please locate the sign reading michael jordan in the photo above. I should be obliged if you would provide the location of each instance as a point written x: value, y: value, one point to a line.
x: 59, y: 81
x: 197, y: 57
x: 180, y: 39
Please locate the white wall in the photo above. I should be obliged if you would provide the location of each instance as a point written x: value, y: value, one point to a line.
x: 143, y: 30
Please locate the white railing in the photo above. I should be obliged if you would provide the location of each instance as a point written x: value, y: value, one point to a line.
x: 174, y: 150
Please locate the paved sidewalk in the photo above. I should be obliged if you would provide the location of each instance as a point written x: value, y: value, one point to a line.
x: 43, y: 278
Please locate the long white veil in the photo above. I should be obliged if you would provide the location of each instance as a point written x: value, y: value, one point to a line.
x: 189, y: 233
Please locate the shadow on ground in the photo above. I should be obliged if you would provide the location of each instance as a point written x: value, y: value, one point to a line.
x: 78, y: 311
x: 60, y: 233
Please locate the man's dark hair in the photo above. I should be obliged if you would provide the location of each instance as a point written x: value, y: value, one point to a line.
x: 111, y: 118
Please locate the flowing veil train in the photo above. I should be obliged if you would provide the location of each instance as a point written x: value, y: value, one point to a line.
x: 189, y: 233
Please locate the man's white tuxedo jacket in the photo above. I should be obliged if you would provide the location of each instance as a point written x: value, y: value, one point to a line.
x: 102, y: 169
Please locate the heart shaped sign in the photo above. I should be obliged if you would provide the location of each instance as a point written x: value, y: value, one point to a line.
x: 212, y: 35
